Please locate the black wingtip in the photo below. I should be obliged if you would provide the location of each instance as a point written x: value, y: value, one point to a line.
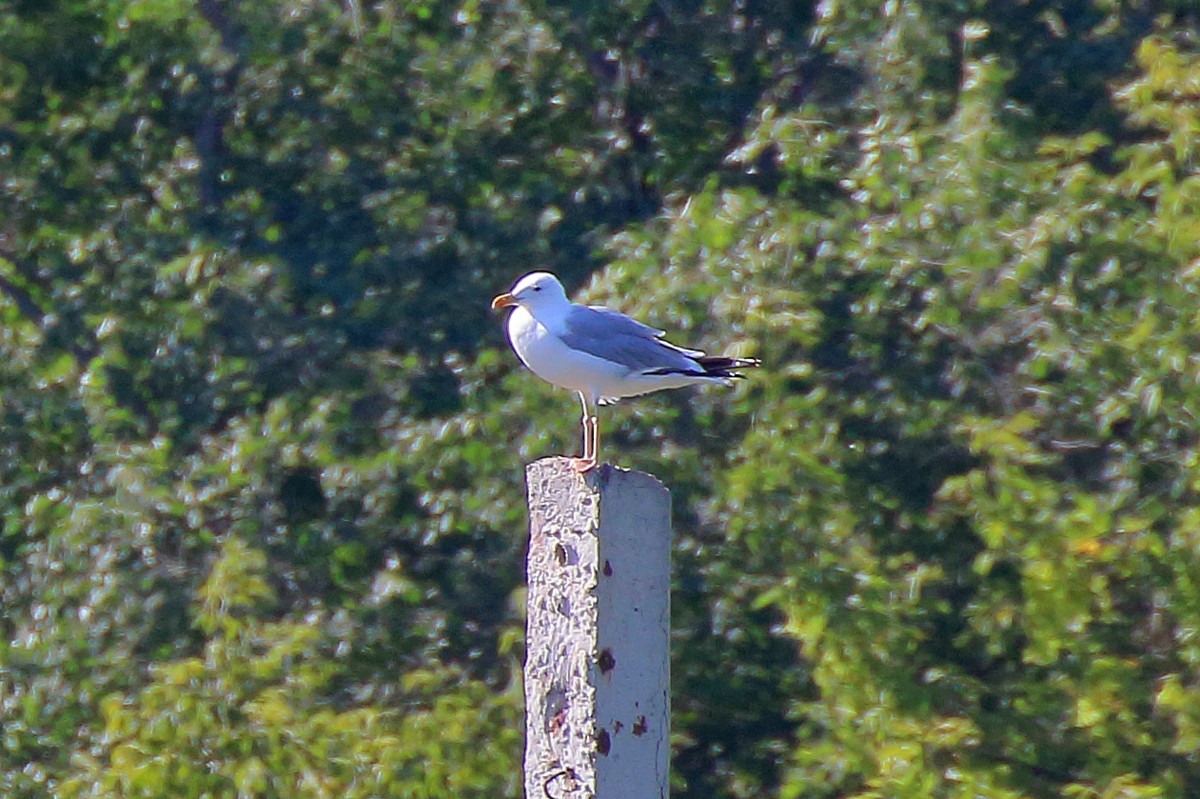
x: 723, y: 365
x: 713, y: 366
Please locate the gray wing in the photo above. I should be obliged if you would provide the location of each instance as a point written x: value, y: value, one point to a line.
x: 613, y: 336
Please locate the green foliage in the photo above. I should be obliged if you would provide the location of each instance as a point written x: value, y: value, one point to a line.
x: 261, y: 441
x: 257, y: 713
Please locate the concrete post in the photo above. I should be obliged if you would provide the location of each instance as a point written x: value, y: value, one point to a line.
x: 597, y: 664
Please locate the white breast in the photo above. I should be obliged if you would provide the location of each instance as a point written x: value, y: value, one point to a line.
x: 550, y: 359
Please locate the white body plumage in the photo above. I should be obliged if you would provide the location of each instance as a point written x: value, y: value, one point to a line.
x: 542, y: 349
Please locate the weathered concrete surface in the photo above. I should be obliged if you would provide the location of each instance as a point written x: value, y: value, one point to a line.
x: 597, y: 676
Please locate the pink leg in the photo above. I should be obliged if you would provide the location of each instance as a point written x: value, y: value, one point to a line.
x: 591, y: 438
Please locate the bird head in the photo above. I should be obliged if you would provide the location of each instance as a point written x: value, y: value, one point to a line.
x: 536, y: 291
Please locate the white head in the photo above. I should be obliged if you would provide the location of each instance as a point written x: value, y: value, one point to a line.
x: 537, y: 291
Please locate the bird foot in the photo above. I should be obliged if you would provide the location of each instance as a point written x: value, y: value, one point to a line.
x: 583, y: 465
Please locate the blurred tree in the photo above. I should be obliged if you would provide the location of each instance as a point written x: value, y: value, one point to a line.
x: 262, y: 526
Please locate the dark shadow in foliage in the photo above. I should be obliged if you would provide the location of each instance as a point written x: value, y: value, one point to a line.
x: 733, y: 695
x: 301, y: 496
x: 1063, y: 65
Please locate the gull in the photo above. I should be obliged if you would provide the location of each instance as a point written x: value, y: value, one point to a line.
x: 600, y: 353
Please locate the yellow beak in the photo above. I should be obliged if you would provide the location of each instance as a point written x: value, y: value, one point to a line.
x: 503, y: 301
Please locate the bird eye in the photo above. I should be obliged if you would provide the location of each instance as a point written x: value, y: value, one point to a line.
x: 537, y: 288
